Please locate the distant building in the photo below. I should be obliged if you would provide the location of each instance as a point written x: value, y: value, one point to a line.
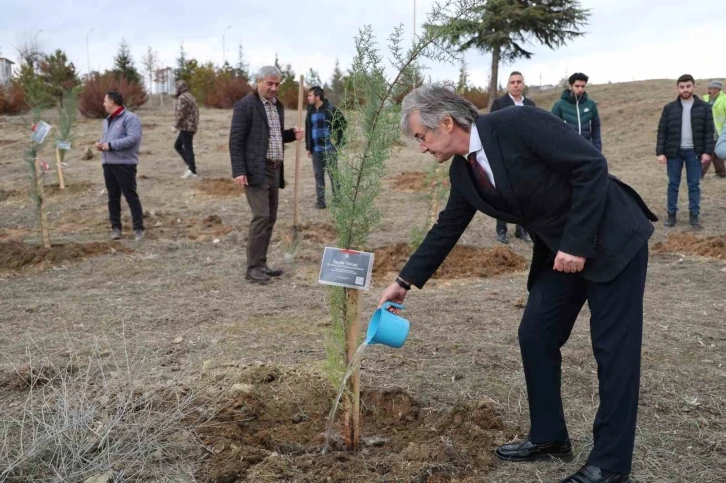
x: 6, y: 71
x: 165, y: 81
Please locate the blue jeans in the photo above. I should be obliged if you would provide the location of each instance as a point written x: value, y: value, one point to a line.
x: 693, y: 179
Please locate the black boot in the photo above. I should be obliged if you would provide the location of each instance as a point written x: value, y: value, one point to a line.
x: 671, y: 221
x: 502, y: 237
x: 694, y: 221
x: 521, y: 233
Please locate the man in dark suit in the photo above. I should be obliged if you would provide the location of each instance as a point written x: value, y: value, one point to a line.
x: 255, y: 148
x: 590, y: 234
x: 513, y: 97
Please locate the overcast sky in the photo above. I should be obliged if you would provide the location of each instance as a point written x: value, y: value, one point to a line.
x: 626, y: 39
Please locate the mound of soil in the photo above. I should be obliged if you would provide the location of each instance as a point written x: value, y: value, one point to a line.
x: 16, y: 255
x: 274, y: 431
x: 319, y: 232
x: 220, y: 187
x: 72, y: 188
x: 4, y: 195
x: 462, y: 262
x: 167, y: 226
x: 712, y: 246
x: 410, y: 182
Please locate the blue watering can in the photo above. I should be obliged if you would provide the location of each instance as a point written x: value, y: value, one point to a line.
x: 387, y: 328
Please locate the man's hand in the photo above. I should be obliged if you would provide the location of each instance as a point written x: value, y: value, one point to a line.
x: 705, y: 158
x: 299, y: 133
x: 564, y: 262
x: 310, y: 155
x: 662, y: 160
x: 99, y: 146
x: 105, y: 147
x: 241, y: 181
x: 394, y: 293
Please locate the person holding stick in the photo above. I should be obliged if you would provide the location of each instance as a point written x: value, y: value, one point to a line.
x: 256, y: 139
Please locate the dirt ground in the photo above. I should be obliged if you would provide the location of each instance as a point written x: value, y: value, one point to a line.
x: 434, y: 410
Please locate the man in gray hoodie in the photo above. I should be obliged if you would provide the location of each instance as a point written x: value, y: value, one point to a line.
x: 119, y: 148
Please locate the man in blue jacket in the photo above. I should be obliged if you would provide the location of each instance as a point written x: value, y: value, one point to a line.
x: 119, y: 148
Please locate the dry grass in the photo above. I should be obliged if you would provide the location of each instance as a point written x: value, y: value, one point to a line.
x: 463, y: 340
x: 97, y: 415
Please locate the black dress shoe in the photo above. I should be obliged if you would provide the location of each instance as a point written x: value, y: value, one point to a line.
x: 502, y: 237
x: 522, y: 234
x: 273, y: 272
x: 529, y: 451
x: 258, y: 276
x: 593, y: 474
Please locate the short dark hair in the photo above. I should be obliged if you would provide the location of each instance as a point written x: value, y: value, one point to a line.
x: 116, y: 97
x: 516, y: 72
x: 318, y: 92
x: 578, y: 76
x: 685, y: 78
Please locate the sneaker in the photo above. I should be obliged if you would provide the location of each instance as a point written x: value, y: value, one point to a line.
x: 138, y: 235
x: 320, y: 205
x: 188, y: 174
x: 115, y: 234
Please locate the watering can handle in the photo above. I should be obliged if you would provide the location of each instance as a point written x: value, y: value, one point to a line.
x: 393, y: 304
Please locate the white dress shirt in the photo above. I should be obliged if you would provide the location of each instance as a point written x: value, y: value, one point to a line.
x: 481, y: 157
x: 516, y: 103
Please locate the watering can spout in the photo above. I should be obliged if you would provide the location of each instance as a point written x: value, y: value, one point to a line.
x: 387, y: 328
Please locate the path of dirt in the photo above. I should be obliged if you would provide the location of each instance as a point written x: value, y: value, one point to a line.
x: 462, y: 262
x: 15, y: 255
x: 711, y: 246
x: 410, y: 182
x: 220, y: 187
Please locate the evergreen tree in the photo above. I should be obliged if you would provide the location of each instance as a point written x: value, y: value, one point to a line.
x: 124, y: 64
x: 58, y: 75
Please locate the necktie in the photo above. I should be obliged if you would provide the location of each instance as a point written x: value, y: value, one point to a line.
x: 480, y: 174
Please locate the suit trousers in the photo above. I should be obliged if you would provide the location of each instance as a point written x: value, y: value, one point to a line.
x: 616, y: 329
x: 263, y: 200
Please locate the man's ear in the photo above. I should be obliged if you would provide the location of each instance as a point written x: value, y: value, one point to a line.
x: 448, y: 123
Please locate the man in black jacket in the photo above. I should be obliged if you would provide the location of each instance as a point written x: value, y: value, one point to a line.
x: 685, y: 136
x: 590, y: 234
x: 514, y: 97
x: 324, y: 129
x: 255, y: 148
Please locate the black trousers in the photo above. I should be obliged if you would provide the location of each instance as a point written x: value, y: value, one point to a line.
x: 616, y: 329
x: 184, y: 145
x: 121, y: 178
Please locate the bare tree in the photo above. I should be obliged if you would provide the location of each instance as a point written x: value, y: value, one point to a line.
x: 150, y: 61
x: 29, y: 49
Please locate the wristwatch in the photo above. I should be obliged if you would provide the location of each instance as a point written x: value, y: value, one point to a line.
x: 402, y: 283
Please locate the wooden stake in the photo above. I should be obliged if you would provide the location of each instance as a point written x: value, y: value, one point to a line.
x: 61, y: 181
x: 41, y: 197
x: 351, y: 429
x: 298, y: 145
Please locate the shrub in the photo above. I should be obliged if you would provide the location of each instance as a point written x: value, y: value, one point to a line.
x: 226, y: 92
x: 12, y: 99
x: 478, y: 96
x: 90, y: 102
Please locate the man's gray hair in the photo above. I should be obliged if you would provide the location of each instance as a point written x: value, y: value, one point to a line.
x: 268, y: 71
x: 434, y: 102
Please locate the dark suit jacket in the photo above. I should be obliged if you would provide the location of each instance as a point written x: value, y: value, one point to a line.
x: 556, y: 184
x: 506, y: 101
x: 249, y: 137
